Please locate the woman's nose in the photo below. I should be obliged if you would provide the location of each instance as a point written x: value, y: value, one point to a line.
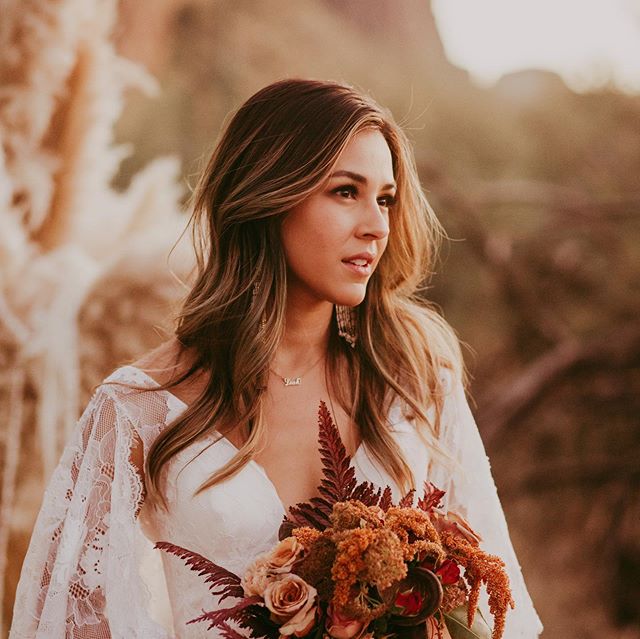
x: 375, y: 221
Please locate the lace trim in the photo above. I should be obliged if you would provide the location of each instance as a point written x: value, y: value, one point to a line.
x: 82, y: 566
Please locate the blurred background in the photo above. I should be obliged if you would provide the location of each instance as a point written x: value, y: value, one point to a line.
x: 525, y: 119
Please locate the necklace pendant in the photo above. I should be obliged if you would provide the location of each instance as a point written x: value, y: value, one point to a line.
x: 292, y: 381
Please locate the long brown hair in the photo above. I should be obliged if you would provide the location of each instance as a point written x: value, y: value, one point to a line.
x: 278, y: 149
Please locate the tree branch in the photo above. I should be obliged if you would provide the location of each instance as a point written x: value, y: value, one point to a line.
x: 500, y: 406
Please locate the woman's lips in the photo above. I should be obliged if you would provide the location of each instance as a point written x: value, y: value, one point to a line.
x: 359, y: 269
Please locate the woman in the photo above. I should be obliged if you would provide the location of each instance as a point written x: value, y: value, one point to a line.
x: 312, y: 237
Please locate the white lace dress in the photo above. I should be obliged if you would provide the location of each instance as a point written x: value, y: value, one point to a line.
x: 91, y: 570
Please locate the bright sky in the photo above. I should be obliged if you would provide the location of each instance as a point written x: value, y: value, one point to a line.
x: 585, y: 41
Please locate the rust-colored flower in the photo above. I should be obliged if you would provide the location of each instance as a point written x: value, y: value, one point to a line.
x: 413, y: 528
x: 349, y: 561
x: 454, y: 596
x: 306, y: 536
x: 482, y: 567
x: 316, y: 565
x: 354, y: 514
x: 383, y: 560
x: 428, y: 553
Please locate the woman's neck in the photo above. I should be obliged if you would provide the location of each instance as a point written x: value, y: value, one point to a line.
x: 306, y: 336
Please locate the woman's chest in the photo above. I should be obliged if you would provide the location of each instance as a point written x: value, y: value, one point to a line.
x: 228, y: 522
x: 290, y: 418
x: 236, y: 519
x: 290, y: 455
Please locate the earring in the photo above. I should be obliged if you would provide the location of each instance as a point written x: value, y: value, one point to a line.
x: 263, y: 317
x: 346, y: 320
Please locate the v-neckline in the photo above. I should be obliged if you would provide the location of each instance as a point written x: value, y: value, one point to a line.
x: 226, y: 440
x: 262, y: 470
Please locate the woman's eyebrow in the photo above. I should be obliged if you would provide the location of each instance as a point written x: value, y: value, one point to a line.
x: 356, y: 177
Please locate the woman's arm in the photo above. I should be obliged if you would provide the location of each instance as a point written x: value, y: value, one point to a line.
x: 80, y: 575
x: 471, y: 492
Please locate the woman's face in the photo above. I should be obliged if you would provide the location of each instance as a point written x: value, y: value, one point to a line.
x: 333, y: 240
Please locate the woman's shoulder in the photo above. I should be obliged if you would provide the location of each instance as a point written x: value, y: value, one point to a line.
x: 154, y: 373
x: 131, y: 403
x: 135, y: 390
x: 164, y: 365
x: 161, y: 363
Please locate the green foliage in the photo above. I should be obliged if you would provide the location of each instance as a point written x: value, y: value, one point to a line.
x: 456, y: 622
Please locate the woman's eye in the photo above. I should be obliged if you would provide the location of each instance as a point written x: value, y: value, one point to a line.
x: 387, y: 201
x: 346, y: 191
x: 350, y: 192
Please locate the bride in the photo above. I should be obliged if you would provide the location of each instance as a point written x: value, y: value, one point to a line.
x: 312, y: 236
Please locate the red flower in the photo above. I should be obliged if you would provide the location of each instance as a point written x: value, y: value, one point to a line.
x: 410, y: 601
x: 449, y: 572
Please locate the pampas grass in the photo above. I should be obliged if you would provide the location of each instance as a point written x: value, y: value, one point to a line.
x: 84, y: 279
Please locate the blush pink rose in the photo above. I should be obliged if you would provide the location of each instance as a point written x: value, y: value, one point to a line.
x: 292, y: 603
x: 284, y: 555
x: 256, y: 578
x: 267, y: 567
x: 341, y: 627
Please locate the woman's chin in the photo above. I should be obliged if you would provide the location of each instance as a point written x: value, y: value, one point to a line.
x: 350, y: 300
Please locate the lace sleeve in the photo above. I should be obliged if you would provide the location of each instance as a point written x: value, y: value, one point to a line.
x: 471, y: 491
x: 81, y: 577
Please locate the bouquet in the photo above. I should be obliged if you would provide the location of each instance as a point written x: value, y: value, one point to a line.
x: 350, y: 564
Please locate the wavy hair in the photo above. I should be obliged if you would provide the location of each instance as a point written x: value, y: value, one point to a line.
x: 279, y: 148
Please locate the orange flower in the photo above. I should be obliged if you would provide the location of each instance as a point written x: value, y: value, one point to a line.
x: 384, y: 564
x: 413, y: 528
x: 349, y: 561
x: 482, y: 567
x: 306, y: 536
x: 354, y: 514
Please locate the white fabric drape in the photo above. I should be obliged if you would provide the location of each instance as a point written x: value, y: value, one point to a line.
x: 91, y: 573
x: 472, y: 493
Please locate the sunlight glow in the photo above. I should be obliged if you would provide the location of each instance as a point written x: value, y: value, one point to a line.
x: 588, y: 42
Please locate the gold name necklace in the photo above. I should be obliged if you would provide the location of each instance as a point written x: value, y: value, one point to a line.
x: 296, y: 381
